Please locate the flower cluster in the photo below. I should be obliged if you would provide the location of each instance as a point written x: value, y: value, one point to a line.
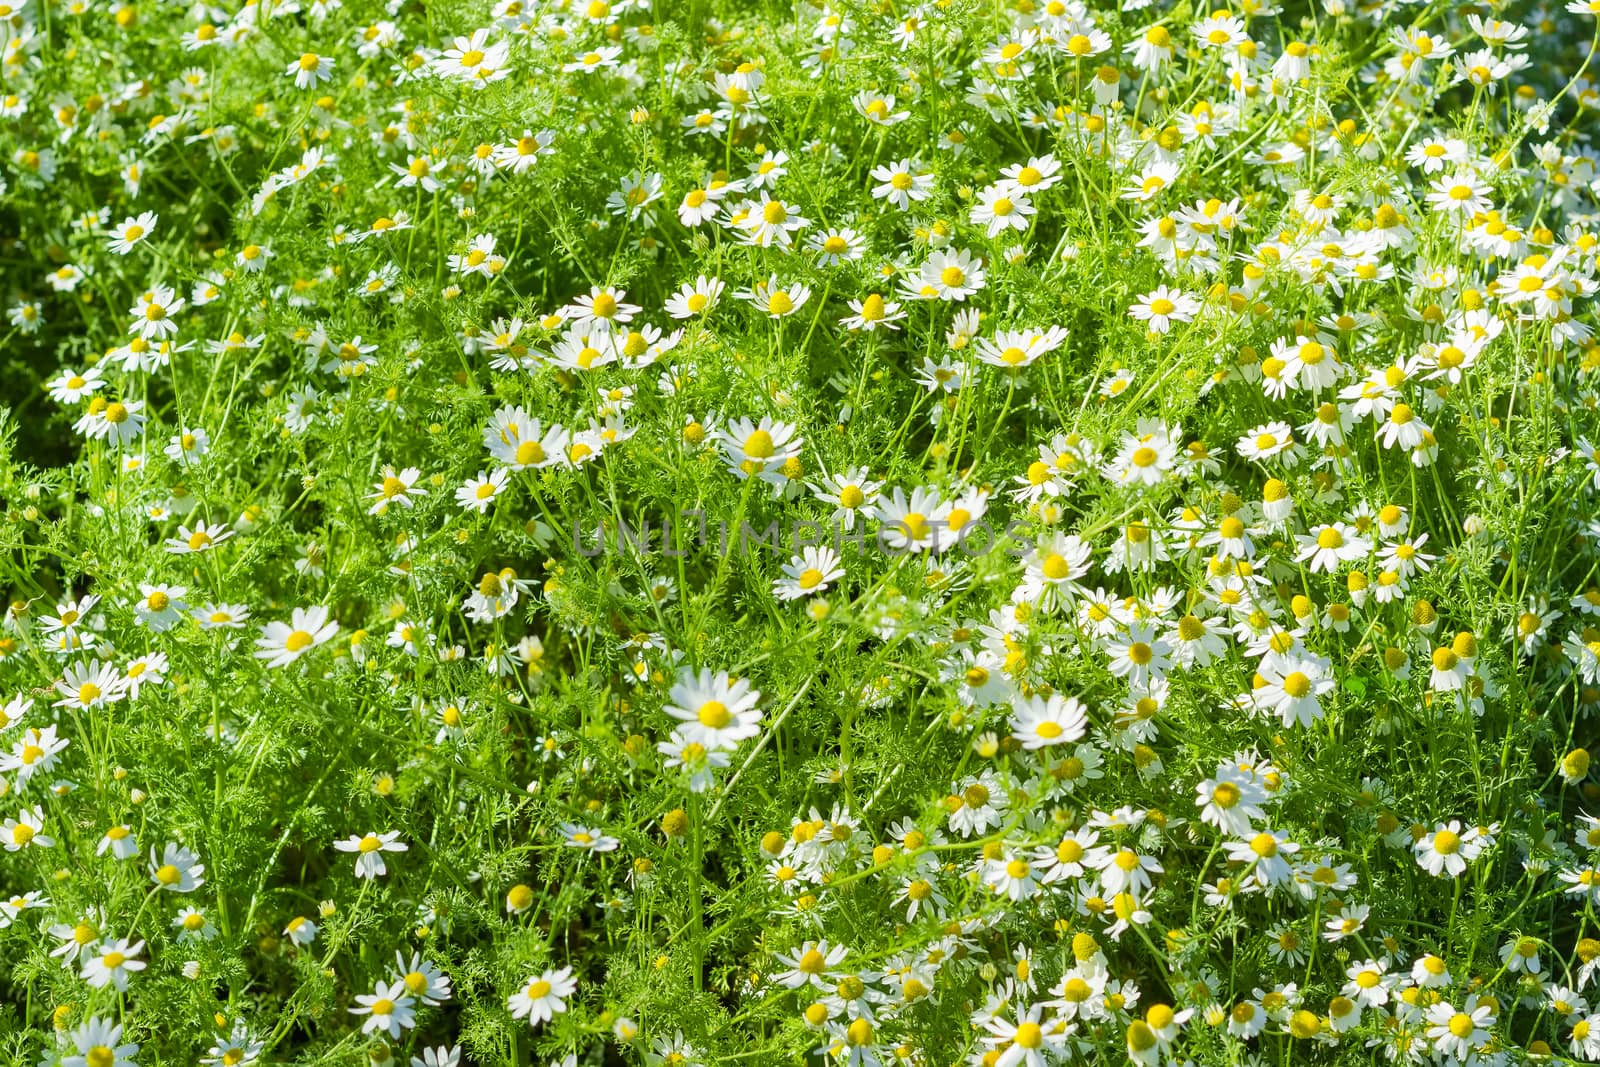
x: 1188, y: 420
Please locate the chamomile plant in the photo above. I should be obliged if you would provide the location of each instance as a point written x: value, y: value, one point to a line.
x: 576, y: 532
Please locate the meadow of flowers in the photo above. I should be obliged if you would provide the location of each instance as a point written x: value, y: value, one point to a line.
x: 994, y: 532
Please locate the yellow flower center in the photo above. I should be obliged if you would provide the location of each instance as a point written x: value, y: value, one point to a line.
x: 714, y: 714
x: 759, y: 445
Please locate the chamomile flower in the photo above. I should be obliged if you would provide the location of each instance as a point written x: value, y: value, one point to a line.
x: 950, y: 276
x: 835, y: 246
x: 694, y: 298
x: 1442, y: 852
x: 97, y: 1042
x: 587, y: 839
x: 119, y: 422
x: 902, y: 182
x: 176, y: 870
x: 1291, y: 689
x: 203, y: 537
x: 389, y: 1009
x: 754, y: 448
x: 119, y: 841
x: 479, y: 493
x: 191, y: 925
x: 1038, y: 723
x: 369, y: 849
x: 301, y: 930
x: 280, y: 644
x: 1163, y: 306
x: 542, y: 997
x: 1330, y: 546
x: 71, y: 386
x: 1001, y: 208
x: 811, y: 572
x: 716, y: 711
x: 132, y: 231
x: 112, y: 963
x: 694, y: 760
x: 310, y: 70
x: 86, y: 685
x: 812, y: 963
x: 775, y: 299
x: 422, y: 979
x: 396, y: 487
x: 873, y: 312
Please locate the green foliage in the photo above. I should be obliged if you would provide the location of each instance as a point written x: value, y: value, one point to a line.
x: 1017, y: 533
